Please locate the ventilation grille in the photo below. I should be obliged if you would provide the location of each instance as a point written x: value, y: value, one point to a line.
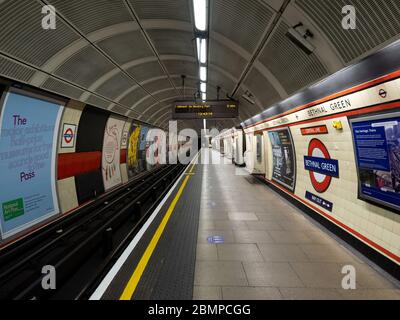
x: 130, y: 99
x: 227, y: 59
x: 91, y: 15
x: 120, y: 110
x: 62, y: 88
x: 157, y: 85
x: 126, y: 47
x: 13, y: 70
x: 84, y: 67
x: 181, y: 67
x: 145, y: 71
x: 173, y: 42
x: 162, y: 9
x: 98, y: 102
x: 261, y: 88
x: 290, y: 65
x: 115, y: 86
x: 220, y: 79
x: 22, y: 36
x: 244, y: 22
x: 377, y: 22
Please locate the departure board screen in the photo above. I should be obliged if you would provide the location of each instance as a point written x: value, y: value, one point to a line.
x: 219, y: 109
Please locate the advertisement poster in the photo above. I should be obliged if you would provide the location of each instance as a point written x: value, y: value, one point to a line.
x: 112, y: 152
x: 133, y: 146
x: 377, y: 144
x: 28, y: 144
x: 284, y: 161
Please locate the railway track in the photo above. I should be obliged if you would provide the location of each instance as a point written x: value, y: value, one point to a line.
x: 82, y: 247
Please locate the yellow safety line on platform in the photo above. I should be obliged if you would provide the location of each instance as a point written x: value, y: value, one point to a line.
x: 135, y: 278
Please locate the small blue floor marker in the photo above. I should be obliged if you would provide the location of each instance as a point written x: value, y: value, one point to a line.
x: 216, y: 239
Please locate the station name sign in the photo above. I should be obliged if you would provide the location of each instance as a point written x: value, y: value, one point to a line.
x: 218, y: 109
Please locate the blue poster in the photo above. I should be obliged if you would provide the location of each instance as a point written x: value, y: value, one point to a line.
x: 377, y: 144
x: 143, y: 136
x: 28, y: 145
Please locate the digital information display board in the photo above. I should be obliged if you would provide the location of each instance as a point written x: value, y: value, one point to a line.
x: 377, y: 148
x: 28, y: 145
x: 218, y: 109
x: 284, y: 159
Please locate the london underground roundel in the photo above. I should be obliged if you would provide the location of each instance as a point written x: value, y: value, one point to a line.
x: 320, y: 166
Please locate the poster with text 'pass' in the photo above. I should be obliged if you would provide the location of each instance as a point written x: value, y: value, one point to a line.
x: 28, y: 143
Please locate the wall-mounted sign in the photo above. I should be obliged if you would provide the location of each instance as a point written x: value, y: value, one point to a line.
x: 284, y: 159
x: 28, y: 146
x: 68, y: 136
x: 377, y: 146
x: 327, y: 205
x: 314, y: 130
x: 209, y: 109
x: 320, y: 165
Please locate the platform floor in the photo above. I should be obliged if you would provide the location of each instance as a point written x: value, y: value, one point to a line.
x: 270, y: 249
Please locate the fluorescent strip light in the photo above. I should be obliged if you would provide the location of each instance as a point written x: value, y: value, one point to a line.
x: 203, y: 87
x: 200, y: 14
x: 204, y: 96
x: 203, y: 73
x: 198, y: 40
x: 203, y: 51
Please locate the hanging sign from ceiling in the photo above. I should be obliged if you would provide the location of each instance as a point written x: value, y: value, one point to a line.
x: 218, y: 109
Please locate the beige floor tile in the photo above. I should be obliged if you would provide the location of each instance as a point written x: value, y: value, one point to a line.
x: 319, y: 275
x: 271, y: 274
x: 327, y: 253
x: 220, y: 273
x: 239, y: 252
x: 243, y: 216
x: 207, y: 293
x: 204, y: 234
x: 251, y: 293
x: 370, y: 294
x: 230, y: 225
x: 264, y: 225
x: 290, y: 237
x: 310, y: 294
x: 206, y: 252
x: 247, y: 236
x: 282, y: 253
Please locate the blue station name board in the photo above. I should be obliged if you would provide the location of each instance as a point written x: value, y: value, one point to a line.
x: 329, y: 167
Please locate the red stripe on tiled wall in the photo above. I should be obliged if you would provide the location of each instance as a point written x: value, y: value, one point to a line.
x: 73, y: 164
x: 122, y: 159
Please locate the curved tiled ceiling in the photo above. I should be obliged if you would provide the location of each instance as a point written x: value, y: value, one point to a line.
x: 128, y: 55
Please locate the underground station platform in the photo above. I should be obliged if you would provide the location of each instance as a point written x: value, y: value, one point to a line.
x: 200, y: 158
x: 223, y: 234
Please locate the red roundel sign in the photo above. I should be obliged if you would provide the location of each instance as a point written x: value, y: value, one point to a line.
x: 68, y: 135
x: 320, y: 182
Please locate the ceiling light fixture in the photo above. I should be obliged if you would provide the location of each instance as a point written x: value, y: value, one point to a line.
x: 203, y: 87
x: 203, y: 73
x: 203, y: 51
x: 204, y: 96
x: 200, y: 14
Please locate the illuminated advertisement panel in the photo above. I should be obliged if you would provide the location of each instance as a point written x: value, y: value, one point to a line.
x: 112, y: 152
x: 284, y: 159
x: 29, y: 127
x: 133, y: 146
x: 377, y: 149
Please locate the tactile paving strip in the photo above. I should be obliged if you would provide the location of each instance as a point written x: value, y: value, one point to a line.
x: 170, y: 272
